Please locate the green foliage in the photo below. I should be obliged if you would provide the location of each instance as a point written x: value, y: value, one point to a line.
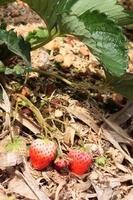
x: 101, y: 160
x: 13, y: 146
x: 131, y: 1
x: 47, y: 9
x: 110, y: 8
x: 96, y: 23
x: 2, y: 67
x: 2, y: 2
x: 37, y: 36
x: 80, y: 18
x: 17, y: 69
x: 102, y: 35
x: 15, y: 44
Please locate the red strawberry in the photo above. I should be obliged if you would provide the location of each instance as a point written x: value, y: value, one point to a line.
x: 80, y: 161
x: 42, y: 153
x: 61, y: 164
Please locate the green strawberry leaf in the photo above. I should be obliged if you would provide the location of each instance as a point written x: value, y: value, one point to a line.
x: 46, y: 9
x: 15, y: 44
x: 95, y: 29
x: 18, y: 70
x: 104, y: 38
x: 111, y: 8
x: 126, y: 20
x: 37, y: 36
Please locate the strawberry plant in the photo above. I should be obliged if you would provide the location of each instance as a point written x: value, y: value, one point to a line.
x: 98, y: 24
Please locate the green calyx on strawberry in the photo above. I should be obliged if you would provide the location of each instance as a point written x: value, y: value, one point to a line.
x: 61, y: 164
x: 18, y: 145
x: 42, y: 152
x: 80, y: 161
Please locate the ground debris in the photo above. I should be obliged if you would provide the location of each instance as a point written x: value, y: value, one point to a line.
x: 72, y: 121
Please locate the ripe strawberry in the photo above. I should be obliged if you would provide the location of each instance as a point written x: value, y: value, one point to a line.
x: 61, y: 164
x: 80, y: 161
x: 42, y: 153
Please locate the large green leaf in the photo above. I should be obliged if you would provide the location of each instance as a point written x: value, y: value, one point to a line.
x: 80, y: 18
x: 15, y: 44
x: 98, y: 32
x: 126, y: 20
x: 124, y: 85
x: 47, y: 9
x: 102, y: 35
x: 109, y: 7
x: 109, y: 39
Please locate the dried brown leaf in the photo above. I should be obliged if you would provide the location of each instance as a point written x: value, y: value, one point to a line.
x: 18, y: 186
x: 123, y: 115
x: 69, y: 135
x: 118, y: 138
x: 82, y: 114
x: 119, y: 131
x: 103, y: 192
x: 30, y: 181
x: 10, y: 159
x: 110, y: 138
x: 28, y: 123
x: 6, y: 106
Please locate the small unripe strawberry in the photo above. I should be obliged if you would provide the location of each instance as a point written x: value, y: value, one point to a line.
x: 80, y: 161
x: 61, y: 164
x: 42, y: 153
